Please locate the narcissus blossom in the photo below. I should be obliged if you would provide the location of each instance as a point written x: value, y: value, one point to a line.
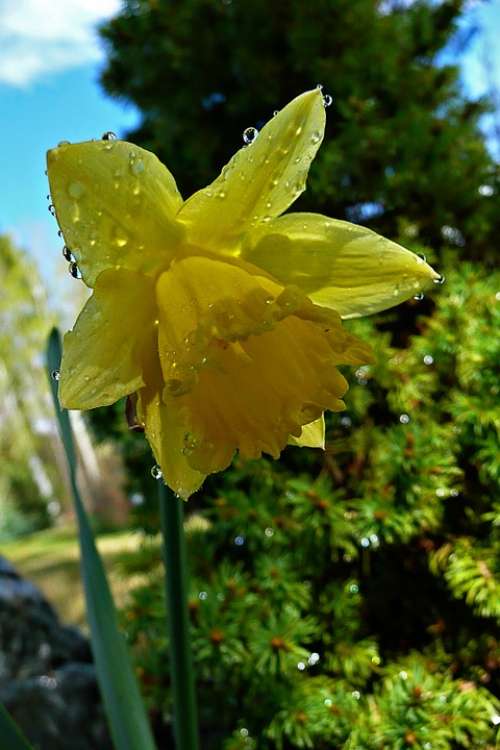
x: 220, y: 316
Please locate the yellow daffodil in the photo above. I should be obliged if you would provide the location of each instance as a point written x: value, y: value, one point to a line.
x: 221, y: 315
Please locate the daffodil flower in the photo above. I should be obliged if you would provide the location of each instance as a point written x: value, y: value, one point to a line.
x: 221, y: 315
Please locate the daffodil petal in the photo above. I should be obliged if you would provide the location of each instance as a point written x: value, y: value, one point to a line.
x: 261, y: 180
x: 312, y: 435
x: 103, y: 354
x: 166, y: 433
x: 339, y: 265
x: 116, y: 205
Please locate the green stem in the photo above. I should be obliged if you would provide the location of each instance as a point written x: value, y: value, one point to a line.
x: 182, y: 675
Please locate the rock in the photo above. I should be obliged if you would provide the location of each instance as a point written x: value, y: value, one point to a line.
x: 47, y: 679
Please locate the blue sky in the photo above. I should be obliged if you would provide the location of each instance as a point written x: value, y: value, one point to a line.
x: 49, y: 92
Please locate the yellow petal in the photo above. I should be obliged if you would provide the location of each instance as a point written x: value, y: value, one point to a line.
x: 103, y: 354
x: 261, y: 180
x: 166, y: 432
x: 312, y: 435
x: 116, y: 206
x: 247, y: 362
x: 339, y: 265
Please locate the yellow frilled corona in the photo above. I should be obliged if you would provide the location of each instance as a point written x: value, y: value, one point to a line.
x: 220, y: 315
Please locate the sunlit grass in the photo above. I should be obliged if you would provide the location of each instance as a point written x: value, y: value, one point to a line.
x: 50, y: 559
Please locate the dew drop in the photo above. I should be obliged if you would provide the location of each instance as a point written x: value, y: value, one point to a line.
x: 63, y: 143
x: 249, y: 135
x: 421, y: 258
x: 74, y: 270
x: 120, y: 238
x: 428, y: 359
x: 419, y: 297
x: 327, y: 100
x: 440, y: 280
x: 404, y: 418
x: 156, y: 472
x: 76, y: 189
x: 52, y: 209
x: 67, y: 254
x: 137, y: 166
x: 55, y: 375
x: 109, y: 136
x: 275, y: 113
x: 316, y: 137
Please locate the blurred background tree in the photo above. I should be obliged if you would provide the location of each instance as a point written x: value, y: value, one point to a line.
x: 30, y: 483
x: 402, y: 149
x: 346, y: 599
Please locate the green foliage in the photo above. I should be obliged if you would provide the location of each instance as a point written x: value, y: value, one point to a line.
x: 358, y: 609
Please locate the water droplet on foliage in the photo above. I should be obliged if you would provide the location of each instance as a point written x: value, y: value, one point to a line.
x: 52, y: 209
x: 353, y: 588
x: 55, y: 375
x: 244, y: 732
x: 156, y: 472
x: 301, y: 666
x: 63, y: 143
x: 328, y: 702
x: 67, y: 254
x: 109, y: 136
x: 203, y: 596
x: 365, y: 542
x: 239, y: 540
x: 313, y: 659
x: 356, y: 695
x: 440, y: 280
x: 316, y: 137
x: 419, y: 297
x: 269, y: 532
x: 74, y: 270
x: 346, y: 421
x: 421, y: 258
x: 249, y: 135
x: 404, y: 418
x: 403, y: 674
x: 428, y: 359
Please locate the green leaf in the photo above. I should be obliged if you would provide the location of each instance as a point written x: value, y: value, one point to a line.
x: 11, y: 734
x: 124, y: 707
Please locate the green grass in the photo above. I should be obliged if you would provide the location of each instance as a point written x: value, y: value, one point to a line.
x: 50, y: 559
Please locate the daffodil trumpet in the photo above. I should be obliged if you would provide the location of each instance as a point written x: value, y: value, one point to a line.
x: 221, y: 314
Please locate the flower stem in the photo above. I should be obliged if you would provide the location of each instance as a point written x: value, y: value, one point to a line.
x: 182, y: 675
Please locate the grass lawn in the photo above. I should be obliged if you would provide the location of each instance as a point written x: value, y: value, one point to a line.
x: 50, y: 559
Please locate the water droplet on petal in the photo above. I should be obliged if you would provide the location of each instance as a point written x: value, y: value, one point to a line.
x: 67, y: 254
x: 76, y: 189
x: 137, y: 166
x: 74, y: 271
x: 404, y: 418
x: 428, y: 359
x: 52, y: 209
x: 421, y: 258
x: 156, y: 472
x: 419, y: 297
x: 316, y: 137
x: 249, y: 135
x: 440, y: 280
x: 109, y: 136
x: 63, y: 143
x: 55, y: 375
x: 275, y: 112
x: 327, y: 100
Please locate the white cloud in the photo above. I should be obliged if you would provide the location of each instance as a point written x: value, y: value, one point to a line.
x: 37, y: 38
